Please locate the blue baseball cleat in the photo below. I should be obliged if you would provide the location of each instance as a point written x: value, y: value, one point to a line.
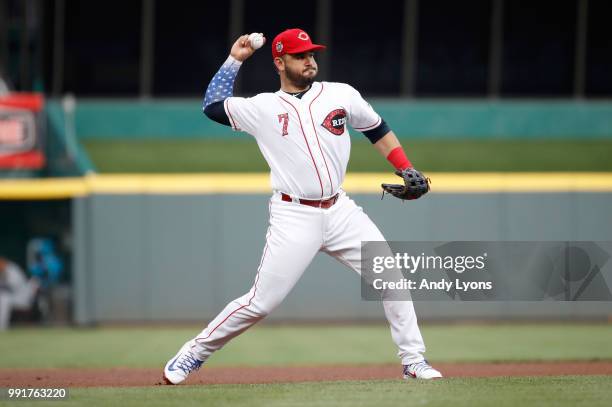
x: 181, y: 365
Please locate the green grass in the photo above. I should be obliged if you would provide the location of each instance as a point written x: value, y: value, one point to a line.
x: 588, y: 391
x: 242, y: 154
x: 303, y: 345
x: 323, y: 344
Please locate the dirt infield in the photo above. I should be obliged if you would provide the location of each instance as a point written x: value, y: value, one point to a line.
x: 116, y: 377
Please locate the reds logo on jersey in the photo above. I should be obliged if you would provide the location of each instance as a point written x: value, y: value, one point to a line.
x: 335, y: 122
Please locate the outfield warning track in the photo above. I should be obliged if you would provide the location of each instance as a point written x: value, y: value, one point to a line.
x: 117, y: 377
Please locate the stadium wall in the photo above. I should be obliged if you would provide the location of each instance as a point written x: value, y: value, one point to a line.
x: 182, y: 118
x: 182, y: 257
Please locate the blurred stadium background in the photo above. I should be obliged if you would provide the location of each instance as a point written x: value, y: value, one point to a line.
x: 105, y: 155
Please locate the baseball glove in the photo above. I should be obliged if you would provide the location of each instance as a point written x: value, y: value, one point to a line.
x: 415, y: 185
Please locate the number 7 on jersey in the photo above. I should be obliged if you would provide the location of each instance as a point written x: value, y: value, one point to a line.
x: 284, y: 118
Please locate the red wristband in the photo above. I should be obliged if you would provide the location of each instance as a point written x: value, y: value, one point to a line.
x: 398, y: 158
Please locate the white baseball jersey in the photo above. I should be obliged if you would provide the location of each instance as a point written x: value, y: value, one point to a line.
x: 305, y: 141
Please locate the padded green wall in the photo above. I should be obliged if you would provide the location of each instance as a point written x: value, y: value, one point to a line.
x: 409, y: 118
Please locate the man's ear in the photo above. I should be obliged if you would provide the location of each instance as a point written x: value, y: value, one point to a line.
x: 279, y: 63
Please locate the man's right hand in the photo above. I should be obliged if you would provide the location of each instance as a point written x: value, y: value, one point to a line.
x: 241, y: 50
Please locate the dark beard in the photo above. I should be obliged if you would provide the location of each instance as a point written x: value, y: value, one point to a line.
x: 298, y: 80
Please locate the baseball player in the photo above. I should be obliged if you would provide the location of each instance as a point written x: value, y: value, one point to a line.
x: 302, y: 132
x: 17, y: 292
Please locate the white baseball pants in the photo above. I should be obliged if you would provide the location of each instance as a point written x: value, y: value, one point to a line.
x: 296, y: 234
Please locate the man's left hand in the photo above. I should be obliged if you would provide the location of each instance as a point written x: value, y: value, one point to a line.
x: 415, y: 185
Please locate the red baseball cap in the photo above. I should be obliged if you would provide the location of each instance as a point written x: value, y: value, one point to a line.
x: 293, y: 41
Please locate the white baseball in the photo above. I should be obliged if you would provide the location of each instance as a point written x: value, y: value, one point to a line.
x: 256, y: 40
